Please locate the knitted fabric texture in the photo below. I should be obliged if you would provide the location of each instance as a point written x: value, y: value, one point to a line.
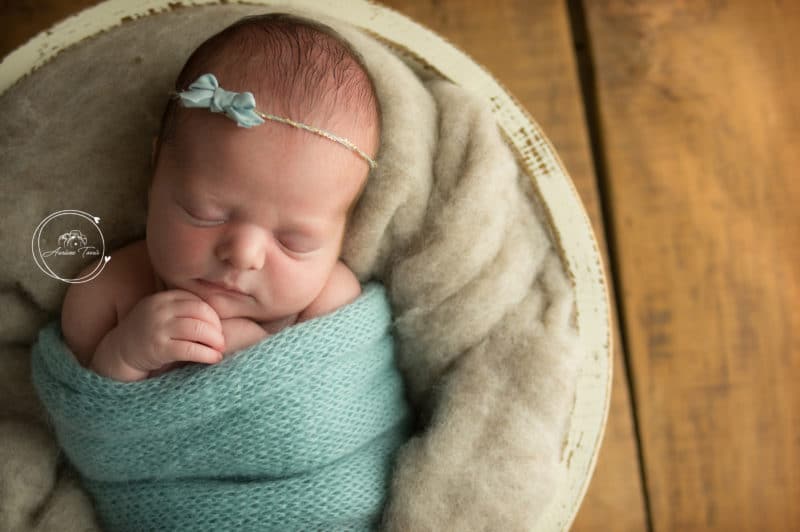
x: 296, y: 432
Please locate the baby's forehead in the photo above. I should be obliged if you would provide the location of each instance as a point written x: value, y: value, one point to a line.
x: 305, y: 167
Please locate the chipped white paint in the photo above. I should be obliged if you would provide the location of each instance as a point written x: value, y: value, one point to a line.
x: 569, y: 221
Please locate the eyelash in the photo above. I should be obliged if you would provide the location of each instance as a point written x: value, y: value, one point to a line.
x: 212, y: 223
x: 202, y: 221
x: 288, y: 249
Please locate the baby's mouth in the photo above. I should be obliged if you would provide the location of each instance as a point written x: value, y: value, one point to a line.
x: 221, y: 287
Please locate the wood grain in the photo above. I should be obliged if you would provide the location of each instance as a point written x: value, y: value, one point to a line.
x: 700, y: 121
x: 21, y: 20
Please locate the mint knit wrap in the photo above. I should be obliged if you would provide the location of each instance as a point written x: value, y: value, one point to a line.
x: 297, y: 432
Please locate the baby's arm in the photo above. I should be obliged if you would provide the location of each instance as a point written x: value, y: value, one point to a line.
x: 160, y: 328
x: 342, y: 288
x: 87, y: 314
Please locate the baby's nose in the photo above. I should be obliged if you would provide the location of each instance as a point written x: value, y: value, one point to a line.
x: 243, y: 247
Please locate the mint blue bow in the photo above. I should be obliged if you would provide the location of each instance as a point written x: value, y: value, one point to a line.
x: 206, y: 93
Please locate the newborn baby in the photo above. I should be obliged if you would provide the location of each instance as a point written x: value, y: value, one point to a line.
x: 257, y: 166
x: 247, y: 205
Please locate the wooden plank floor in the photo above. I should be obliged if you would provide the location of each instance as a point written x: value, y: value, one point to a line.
x: 695, y: 123
x: 700, y: 124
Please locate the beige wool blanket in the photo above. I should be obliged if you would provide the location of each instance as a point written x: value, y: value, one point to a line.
x: 483, y: 309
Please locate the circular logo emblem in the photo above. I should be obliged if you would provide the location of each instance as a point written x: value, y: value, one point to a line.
x: 65, y: 242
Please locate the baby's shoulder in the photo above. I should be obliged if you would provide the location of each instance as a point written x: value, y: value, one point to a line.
x: 131, y: 277
x: 341, y: 289
x: 125, y: 279
x: 92, y: 308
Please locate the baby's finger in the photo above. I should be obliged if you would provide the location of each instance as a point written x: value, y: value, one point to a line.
x: 178, y: 294
x: 196, y: 330
x: 197, y: 309
x: 192, y: 352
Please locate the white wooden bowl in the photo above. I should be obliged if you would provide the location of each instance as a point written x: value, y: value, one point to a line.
x: 568, y: 219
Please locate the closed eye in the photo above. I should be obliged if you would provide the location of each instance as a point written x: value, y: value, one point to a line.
x: 199, y: 220
x: 298, y: 246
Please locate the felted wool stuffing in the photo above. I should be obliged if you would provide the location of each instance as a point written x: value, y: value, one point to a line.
x: 483, y: 310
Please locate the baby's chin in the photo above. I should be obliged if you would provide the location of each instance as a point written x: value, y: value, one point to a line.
x: 232, y: 305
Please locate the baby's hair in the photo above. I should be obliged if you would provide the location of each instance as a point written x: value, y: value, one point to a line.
x: 295, y: 67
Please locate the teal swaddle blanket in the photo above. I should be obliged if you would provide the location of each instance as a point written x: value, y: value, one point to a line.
x: 297, y: 432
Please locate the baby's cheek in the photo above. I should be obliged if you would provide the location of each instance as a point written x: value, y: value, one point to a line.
x: 189, y: 248
x: 299, y: 284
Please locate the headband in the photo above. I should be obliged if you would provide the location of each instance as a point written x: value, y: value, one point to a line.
x: 240, y: 107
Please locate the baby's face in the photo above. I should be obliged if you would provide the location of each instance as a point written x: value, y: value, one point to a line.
x: 262, y: 209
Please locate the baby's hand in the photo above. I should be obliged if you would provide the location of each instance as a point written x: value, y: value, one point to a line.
x: 240, y: 333
x: 163, y: 328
